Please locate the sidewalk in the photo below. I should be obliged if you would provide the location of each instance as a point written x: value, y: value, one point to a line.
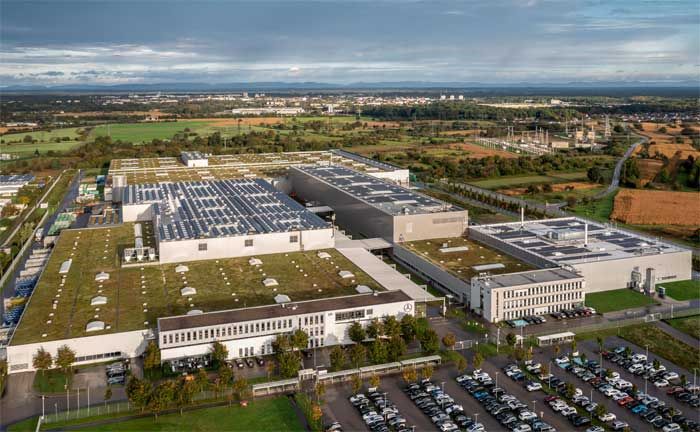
x: 674, y: 332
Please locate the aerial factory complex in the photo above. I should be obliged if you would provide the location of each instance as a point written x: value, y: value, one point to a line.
x: 241, y: 248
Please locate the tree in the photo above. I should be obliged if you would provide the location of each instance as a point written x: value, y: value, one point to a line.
x: 392, y: 327
x: 218, y: 353
x: 151, y: 356
x: 42, y: 360
x: 408, y: 328
x: 356, y: 383
x: 299, y: 339
x: 107, y: 395
x: 656, y: 363
x: 461, y: 363
x: 288, y: 364
x: 270, y: 369
x: 185, y: 393
x: 449, y: 340
x: 338, y: 358
x: 201, y: 379
x: 375, y: 329
x: 241, y: 390
x: 427, y: 372
x: 320, y: 391
x: 358, y: 355
x: 409, y: 375
x: 544, y: 369
x: 375, y: 380
x: 65, y: 357
x: 569, y: 390
x: 281, y: 344
x: 377, y: 352
x: 571, y: 201
x: 594, y: 174
x: 395, y: 347
x: 511, y: 339
x: 557, y: 350
x: 430, y: 342
x: 478, y: 360
x: 356, y: 333
x: 599, y: 339
x: 138, y: 392
x: 316, y: 413
x: 573, y: 346
x: 225, y: 376
x: 161, y: 398
x: 600, y: 411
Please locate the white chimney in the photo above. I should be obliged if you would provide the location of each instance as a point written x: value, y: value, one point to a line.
x: 522, y: 217
x: 585, y: 235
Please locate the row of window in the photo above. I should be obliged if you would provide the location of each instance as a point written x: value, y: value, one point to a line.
x: 538, y: 311
x: 249, y: 243
x: 98, y: 356
x: 533, y: 301
x: 352, y: 315
x: 267, y: 347
x: 539, y: 290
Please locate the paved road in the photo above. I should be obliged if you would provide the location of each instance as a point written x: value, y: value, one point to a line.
x: 615, y: 181
x: 681, y: 336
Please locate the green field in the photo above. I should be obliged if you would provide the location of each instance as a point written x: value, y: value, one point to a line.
x: 615, y: 300
x: 598, y: 210
x: 262, y: 415
x: 523, y: 181
x: 682, y: 290
x: 689, y: 325
x: 14, y: 143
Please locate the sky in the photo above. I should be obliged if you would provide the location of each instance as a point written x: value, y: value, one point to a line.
x: 56, y: 42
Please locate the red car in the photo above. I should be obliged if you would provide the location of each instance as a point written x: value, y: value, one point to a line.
x: 674, y: 390
x: 550, y: 398
x: 625, y: 401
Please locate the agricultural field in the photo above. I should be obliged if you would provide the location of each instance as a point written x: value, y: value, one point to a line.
x: 520, y: 181
x: 56, y: 140
x: 648, y: 170
x: 647, y: 207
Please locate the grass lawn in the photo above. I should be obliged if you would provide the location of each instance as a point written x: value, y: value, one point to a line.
x: 27, y: 425
x: 50, y: 381
x: 682, y: 290
x: 13, y: 143
x: 689, y: 325
x: 608, y: 301
x: 523, y: 181
x: 599, y: 210
x: 659, y: 342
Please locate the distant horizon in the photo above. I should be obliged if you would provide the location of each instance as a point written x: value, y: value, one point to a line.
x: 544, y: 42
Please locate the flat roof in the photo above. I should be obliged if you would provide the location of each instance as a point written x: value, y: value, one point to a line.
x: 529, y: 277
x: 461, y: 263
x: 221, y: 208
x: 562, y: 241
x: 137, y: 295
x: 388, y: 197
x: 15, y: 179
x: 279, y: 311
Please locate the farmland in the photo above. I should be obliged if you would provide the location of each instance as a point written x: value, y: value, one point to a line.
x: 519, y: 181
x: 43, y: 141
x: 647, y: 207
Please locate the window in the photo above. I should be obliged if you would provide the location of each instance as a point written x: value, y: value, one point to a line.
x: 249, y: 243
x: 202, y: 247
x: 294, y: 239
x: 356, y: 314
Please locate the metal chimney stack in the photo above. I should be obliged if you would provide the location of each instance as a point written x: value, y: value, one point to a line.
x: 585, y: 235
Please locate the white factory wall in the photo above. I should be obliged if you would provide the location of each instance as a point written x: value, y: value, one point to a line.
x: 130, y: 344
x: 398, y: 176
x: 616, y: 274
x: 427, y: 226
x: 231, y: 247
x: 137, y: 212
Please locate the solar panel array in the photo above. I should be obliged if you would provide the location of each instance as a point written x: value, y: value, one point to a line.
x: 383, y: 195
x: 538, y: 237
x: 221, y: 208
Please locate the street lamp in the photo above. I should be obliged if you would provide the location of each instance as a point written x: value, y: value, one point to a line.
x: 496, y: 379
x: 476, y: 417
x: 549, y: 380
x: 533, y: 406
x: 646, y: 380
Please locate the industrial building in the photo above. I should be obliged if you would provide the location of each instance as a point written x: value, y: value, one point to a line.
x: 250, y: 332
x: 537, y: 292
x: 370, y: 207
x: 11, y: 184
x: 224, y: 219
x: 608, y: 258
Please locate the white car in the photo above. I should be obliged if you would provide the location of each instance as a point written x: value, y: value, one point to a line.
x: 672, y: 427
x: 595, y: 429
x: 534, y: 386
x: 661, y: 383
x: 671, y: 376
x: 522, y: 428
x: 561, y: 360
x: 637, y: 367
x: 639, y: 358
x: 566, y: 412
x: 527, y: 416
x: 607, y: 417
x: 476, y: 427
x: 448, y: 426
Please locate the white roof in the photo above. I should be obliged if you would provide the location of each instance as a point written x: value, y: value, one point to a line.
x: 282, y: 298
x: 270, y: 282
x: 188, y: 291
x: 324, y: 255
x: 345, y: 274
x: 98, y: 300
x: 102, y: 276
x: 255, y: 261
x: 95, y: 326
x: 195, y: 312
x: 181, y: 268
